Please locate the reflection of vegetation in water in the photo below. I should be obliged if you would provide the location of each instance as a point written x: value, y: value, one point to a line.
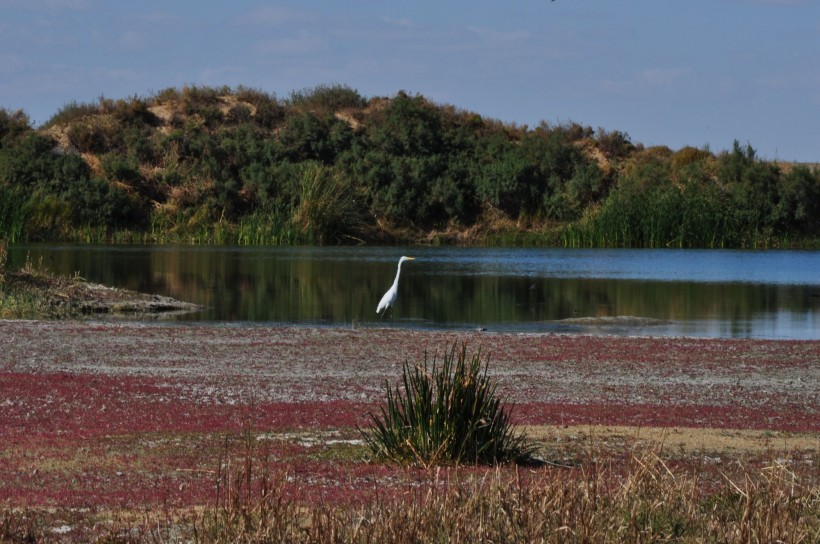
x: 309, y: 285
x: 327, y: 166
x: 493, y: 299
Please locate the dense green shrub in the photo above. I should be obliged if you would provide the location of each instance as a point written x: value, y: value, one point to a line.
x: 406, y: 127
x: 614, y: 144
x: 121, y: 168
x: 754, y: 194
x: 268, y: 112
x: 586, y: 187
x: 648, y: 210
x: 306, y: 137
x: 134, y: 112
x: 48, y: 216
x: 688, y: 155
x: 543, y: 174
x: 327, y: 98
x: 798, y: 208
x: 27, y: 161
x: 13, y: 125
x: 95, y: 202
x: 73, y: 112
x: 509, y: 183
x: 239, y: 114
x: 214, y: 159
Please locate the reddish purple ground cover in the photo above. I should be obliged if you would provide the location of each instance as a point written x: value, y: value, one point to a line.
x: 92, y: 413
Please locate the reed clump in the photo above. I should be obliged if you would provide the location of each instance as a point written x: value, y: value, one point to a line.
x: 447, y: 413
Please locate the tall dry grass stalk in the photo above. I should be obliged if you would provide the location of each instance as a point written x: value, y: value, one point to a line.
x: 250, y: 504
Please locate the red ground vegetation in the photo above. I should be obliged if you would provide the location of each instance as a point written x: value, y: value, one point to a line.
x: 127, y: 415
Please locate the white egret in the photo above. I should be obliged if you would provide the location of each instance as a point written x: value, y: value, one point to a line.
x: 389, y: 298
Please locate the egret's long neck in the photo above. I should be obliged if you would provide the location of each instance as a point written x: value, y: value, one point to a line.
x: 398, y: 273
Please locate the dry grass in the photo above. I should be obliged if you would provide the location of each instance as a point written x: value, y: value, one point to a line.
x: 648, y: 502
x: 606, y: 497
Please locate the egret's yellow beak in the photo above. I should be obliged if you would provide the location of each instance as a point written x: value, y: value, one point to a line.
x: 411, y: 258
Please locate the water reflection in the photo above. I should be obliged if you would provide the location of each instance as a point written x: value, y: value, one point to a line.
x: 704, y: 293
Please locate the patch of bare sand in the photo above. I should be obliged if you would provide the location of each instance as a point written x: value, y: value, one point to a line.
x: 682, y: 439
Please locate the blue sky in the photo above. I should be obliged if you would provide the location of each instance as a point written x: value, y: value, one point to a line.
x: 676, y: 73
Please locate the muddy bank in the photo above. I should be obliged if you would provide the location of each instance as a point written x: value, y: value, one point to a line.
x: 36, y: 294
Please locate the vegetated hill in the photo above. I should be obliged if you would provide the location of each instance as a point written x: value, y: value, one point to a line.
x: 327, y: 165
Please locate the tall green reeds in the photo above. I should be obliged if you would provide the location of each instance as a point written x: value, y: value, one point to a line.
x: 668, y: 216
x: 267, y: 228
x: 4, y: 254
x: 12, y: 215
x: 327, y: 208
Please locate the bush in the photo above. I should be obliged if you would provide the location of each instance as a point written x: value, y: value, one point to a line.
x: 134, y: 112
x: 73, y: 112
x: 12, y: 126
x: 95, y: 202
x: 96, y: 135
x: 48, y: 216
x: 120, y: 168
x: 268, y: 111
x: 227, y: 156
x: 327, y: 98
x: 615, y: 144
x: 447, y: 414
x: 306, y: 137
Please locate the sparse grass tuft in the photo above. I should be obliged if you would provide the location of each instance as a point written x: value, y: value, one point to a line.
x: 447, y: 414
x: 19, y: 526
x: 250, y: 503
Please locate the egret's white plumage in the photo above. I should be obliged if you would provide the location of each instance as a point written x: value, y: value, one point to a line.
x: 389, y: 298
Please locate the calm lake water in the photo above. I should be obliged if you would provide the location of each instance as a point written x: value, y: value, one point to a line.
x: 744, y: 294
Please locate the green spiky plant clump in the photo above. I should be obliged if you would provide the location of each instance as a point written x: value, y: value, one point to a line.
x: 448, y: 413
